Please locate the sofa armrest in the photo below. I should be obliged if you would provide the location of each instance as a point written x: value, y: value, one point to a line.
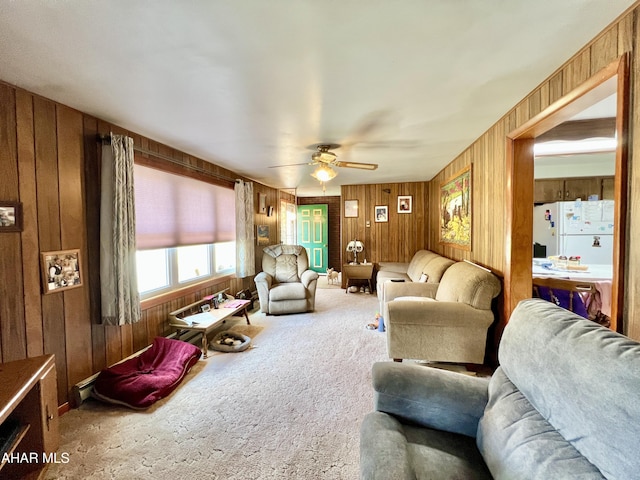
x: 430, y: 397
x: 307, y: 277
x: 416, y: 311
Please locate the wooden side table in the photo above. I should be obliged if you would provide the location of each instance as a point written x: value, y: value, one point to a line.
x: 358, y: 271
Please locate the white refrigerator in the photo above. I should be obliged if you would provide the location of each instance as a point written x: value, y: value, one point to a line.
x: 576, y: 228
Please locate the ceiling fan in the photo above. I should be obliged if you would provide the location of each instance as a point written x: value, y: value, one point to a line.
x: 324, y: 158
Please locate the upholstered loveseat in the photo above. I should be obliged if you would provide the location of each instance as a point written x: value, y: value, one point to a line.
x: 562, y: 404
x: 441, y: 322
x: 425, y: 267
x: 286, y: 284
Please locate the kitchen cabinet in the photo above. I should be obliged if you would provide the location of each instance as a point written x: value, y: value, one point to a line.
x: 607, y: 188
x: 549, y: 190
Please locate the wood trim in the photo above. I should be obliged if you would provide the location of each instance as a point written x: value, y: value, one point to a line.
x: 64, y: 408
x: 518, y: 241
x: 519, y: 168
x: 164, y: 165
x: 620, y: 192
x: 181, y: 292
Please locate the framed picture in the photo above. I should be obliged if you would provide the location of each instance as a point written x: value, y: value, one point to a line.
x: 60, y: 270
x: 351, y: 208
x: 405, y: 204
x: 381, y: 213
x: 10, y: 216
x: 455, y: 210
x: 262, y: 234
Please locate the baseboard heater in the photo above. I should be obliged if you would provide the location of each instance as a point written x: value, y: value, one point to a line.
x: 82, y: 390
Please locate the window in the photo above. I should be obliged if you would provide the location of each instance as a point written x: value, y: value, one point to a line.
x: 162, y: 270
x: 288, y: 225
x: 153, y: 269
x: 185, y: 230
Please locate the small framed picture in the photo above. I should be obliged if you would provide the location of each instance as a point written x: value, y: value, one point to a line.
x: 405, y: 203
x: 60, y: 270
x: 381, y: 213
x: 262, y: 234
x: 10, y: 216
x: 351, y: 208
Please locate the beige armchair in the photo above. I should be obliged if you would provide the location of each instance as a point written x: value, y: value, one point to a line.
x: 449, y: 323
x: 286, y: 285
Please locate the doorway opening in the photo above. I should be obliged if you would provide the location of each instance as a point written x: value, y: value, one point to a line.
x: 613, y: 79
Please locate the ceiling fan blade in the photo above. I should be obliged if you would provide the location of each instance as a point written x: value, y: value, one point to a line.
x: 292, y: 165
x: 389, y: 144
x: 361, y: 166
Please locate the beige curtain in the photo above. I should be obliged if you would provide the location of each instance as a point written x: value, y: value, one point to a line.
x: 118, y: 276
x: 245, y: 236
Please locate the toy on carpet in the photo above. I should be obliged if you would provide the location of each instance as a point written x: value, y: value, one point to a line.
x: 377, y: 324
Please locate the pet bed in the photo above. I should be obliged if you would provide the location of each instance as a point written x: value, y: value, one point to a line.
x: 141, y: 381
x: 230, y: 342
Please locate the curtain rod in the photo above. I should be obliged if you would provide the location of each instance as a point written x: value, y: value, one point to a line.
x: 107, y: 139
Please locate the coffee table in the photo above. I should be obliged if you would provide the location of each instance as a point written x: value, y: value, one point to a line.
x: 204, y: 322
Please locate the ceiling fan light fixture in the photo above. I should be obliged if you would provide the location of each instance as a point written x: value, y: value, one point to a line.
x: 323, y: 156
x: 324, y: 173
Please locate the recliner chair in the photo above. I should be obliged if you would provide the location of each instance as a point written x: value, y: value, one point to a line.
x: 286, y: 284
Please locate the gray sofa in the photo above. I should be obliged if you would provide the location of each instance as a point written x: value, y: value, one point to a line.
x: 425, y: 268
x: 562, y: 404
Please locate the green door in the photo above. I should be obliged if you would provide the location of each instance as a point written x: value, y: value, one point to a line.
x: 313, y: 232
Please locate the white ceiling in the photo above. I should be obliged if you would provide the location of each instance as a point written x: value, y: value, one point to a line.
x: 249, y: 84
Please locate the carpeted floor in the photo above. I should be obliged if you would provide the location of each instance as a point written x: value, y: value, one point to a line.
x: 290, y: 407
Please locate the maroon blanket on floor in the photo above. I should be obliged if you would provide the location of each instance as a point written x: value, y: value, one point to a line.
x: 155, y: 373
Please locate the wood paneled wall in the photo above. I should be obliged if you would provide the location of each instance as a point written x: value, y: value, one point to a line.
x: 49, y: 159
x: 488, y: 156
x: 333, y: 214
x: 399, y: 238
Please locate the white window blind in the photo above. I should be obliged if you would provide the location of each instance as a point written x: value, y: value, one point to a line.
x: 173, y: 211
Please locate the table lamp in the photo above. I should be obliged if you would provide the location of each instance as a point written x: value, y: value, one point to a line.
x: 355, y: 246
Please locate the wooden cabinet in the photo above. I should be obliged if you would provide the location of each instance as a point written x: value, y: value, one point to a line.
x: 549, y: 190
x: 357, y: 271
x: 29, y: 413
x: 582, y: 188
x: 608, y: 185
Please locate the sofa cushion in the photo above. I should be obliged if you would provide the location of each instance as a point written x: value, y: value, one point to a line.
x: 466, y: 283
x: 586, y: 384
x: 436, y: 267
x: 287, y: 291
x: 391, y: 450
x: 418, y: 263
x: 517, y: 442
